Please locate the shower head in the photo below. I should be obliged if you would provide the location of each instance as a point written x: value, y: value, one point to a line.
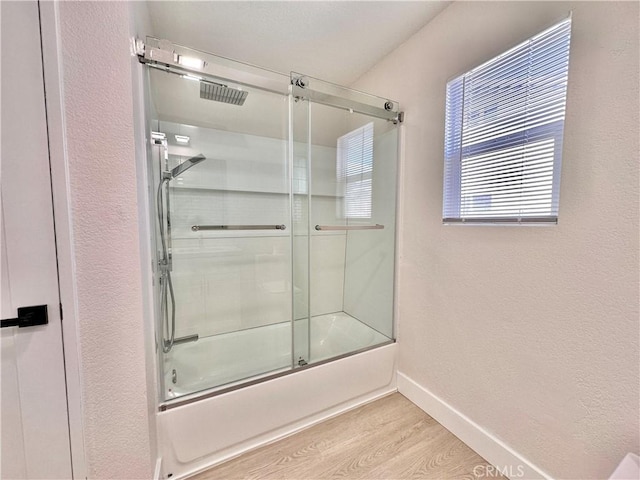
x: 186, y: 165
x: 222, y: 93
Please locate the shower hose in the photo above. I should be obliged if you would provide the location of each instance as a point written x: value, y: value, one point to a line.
x: 166, y: 285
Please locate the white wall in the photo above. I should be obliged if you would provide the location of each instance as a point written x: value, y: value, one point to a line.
x: 99, y: 113
x: 530, y: 332
x: 143, y: 117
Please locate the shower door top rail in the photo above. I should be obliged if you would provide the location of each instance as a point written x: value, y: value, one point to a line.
x: 197, y: 228
x: 326, y: 93
x: 198, y: 65
x: 377, y: 226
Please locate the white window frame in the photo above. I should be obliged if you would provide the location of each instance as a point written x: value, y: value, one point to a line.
x: 503, y: 146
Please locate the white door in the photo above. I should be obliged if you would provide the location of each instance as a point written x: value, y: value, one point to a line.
x: 34, y: 421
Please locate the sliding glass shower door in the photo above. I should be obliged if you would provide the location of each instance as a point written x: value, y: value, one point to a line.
x: 345, y: 251
x: 226, y: 221
x: 273, y: 205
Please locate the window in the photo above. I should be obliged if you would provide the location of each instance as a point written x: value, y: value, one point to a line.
x: 503, y: 134
x: 354, y: 171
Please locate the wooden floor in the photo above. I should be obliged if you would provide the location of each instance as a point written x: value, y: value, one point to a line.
x: 390, y: 438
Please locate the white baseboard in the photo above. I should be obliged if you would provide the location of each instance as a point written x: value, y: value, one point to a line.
x: 509, y: 462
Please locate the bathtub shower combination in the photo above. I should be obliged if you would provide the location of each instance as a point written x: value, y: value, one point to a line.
x: 273, y: 200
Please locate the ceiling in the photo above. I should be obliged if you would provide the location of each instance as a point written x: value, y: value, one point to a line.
x: 337, y: 41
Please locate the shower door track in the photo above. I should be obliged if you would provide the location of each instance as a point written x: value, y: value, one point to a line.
x: 169, y: 61
x: 209, y: 393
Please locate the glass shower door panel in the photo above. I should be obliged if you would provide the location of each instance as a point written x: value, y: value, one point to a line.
x: 352, y: 224
x: 300, y: 220
x: 229, y: 236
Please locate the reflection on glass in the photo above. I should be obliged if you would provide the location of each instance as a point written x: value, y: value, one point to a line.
x: 354, y: 171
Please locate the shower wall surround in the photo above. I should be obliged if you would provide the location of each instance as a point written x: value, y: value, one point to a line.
x: 225, y: 190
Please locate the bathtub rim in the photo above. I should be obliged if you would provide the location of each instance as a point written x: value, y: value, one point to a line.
x: 215, y: 391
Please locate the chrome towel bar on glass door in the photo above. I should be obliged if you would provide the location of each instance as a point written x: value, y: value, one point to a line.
x: 197, y: 228
x: 350, y: 227
x: 179, y: 340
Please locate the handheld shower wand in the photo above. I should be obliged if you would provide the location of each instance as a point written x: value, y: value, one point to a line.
x: 186, y: 165
x: 166, y: 285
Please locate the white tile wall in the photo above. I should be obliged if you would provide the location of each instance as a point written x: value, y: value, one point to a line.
x: 235, y: 161
x: 327, y: 273
x: 227, y: 284
x: 226, y: 281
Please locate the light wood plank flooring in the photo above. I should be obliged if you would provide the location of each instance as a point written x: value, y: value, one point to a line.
x: 390, y: 439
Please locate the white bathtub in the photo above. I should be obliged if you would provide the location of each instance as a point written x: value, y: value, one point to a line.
x: 223, y: 360
x: 197, y: 435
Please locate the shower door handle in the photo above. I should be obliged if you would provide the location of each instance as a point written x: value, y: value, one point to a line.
x: 377, y: 226
x: 197, y: 228
x: 27, y: 317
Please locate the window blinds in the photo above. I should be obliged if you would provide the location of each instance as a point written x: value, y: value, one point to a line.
x: 354, y: 171
x: 503, y: 134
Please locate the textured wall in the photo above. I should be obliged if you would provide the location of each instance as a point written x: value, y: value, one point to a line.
x: 532, y: 332
x: 98, y: 105
x: 140, y: 27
